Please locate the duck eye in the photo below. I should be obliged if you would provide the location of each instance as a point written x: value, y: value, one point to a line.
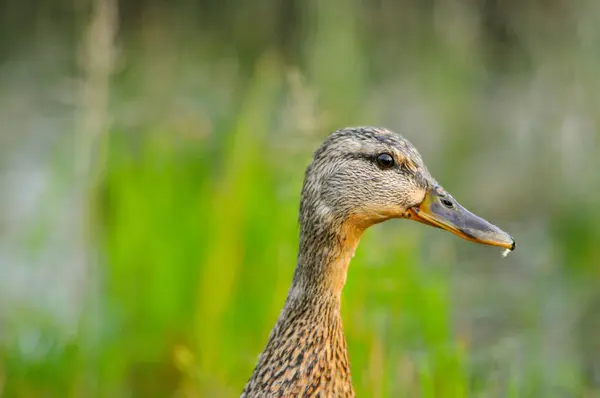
x: 385, y: 160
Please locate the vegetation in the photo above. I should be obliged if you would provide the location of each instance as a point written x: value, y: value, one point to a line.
x: 186, y: 203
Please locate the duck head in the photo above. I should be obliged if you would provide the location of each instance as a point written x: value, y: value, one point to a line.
x: 364, y: 175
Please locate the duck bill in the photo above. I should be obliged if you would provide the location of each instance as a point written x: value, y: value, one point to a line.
x: 456, y: 219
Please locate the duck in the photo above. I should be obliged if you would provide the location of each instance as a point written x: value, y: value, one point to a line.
x: 358, y: 177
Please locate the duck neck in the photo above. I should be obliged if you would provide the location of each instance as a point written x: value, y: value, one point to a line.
x: 308, y: 339
x: 325, y: 251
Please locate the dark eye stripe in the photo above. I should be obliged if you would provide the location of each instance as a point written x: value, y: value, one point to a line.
x: 404, y: 166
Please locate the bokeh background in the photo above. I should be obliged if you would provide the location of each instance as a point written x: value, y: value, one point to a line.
x: 152, y: 155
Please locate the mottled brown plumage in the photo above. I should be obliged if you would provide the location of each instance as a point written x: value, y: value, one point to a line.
x: 347, y: 188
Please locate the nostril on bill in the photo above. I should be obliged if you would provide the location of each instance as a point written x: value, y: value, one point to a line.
x: 447, y: 203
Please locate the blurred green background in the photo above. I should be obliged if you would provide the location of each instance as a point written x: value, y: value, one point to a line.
x: 152, y: 155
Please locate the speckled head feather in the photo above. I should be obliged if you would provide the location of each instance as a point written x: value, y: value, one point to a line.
x: 345, y: 181
x: 346, y: 189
